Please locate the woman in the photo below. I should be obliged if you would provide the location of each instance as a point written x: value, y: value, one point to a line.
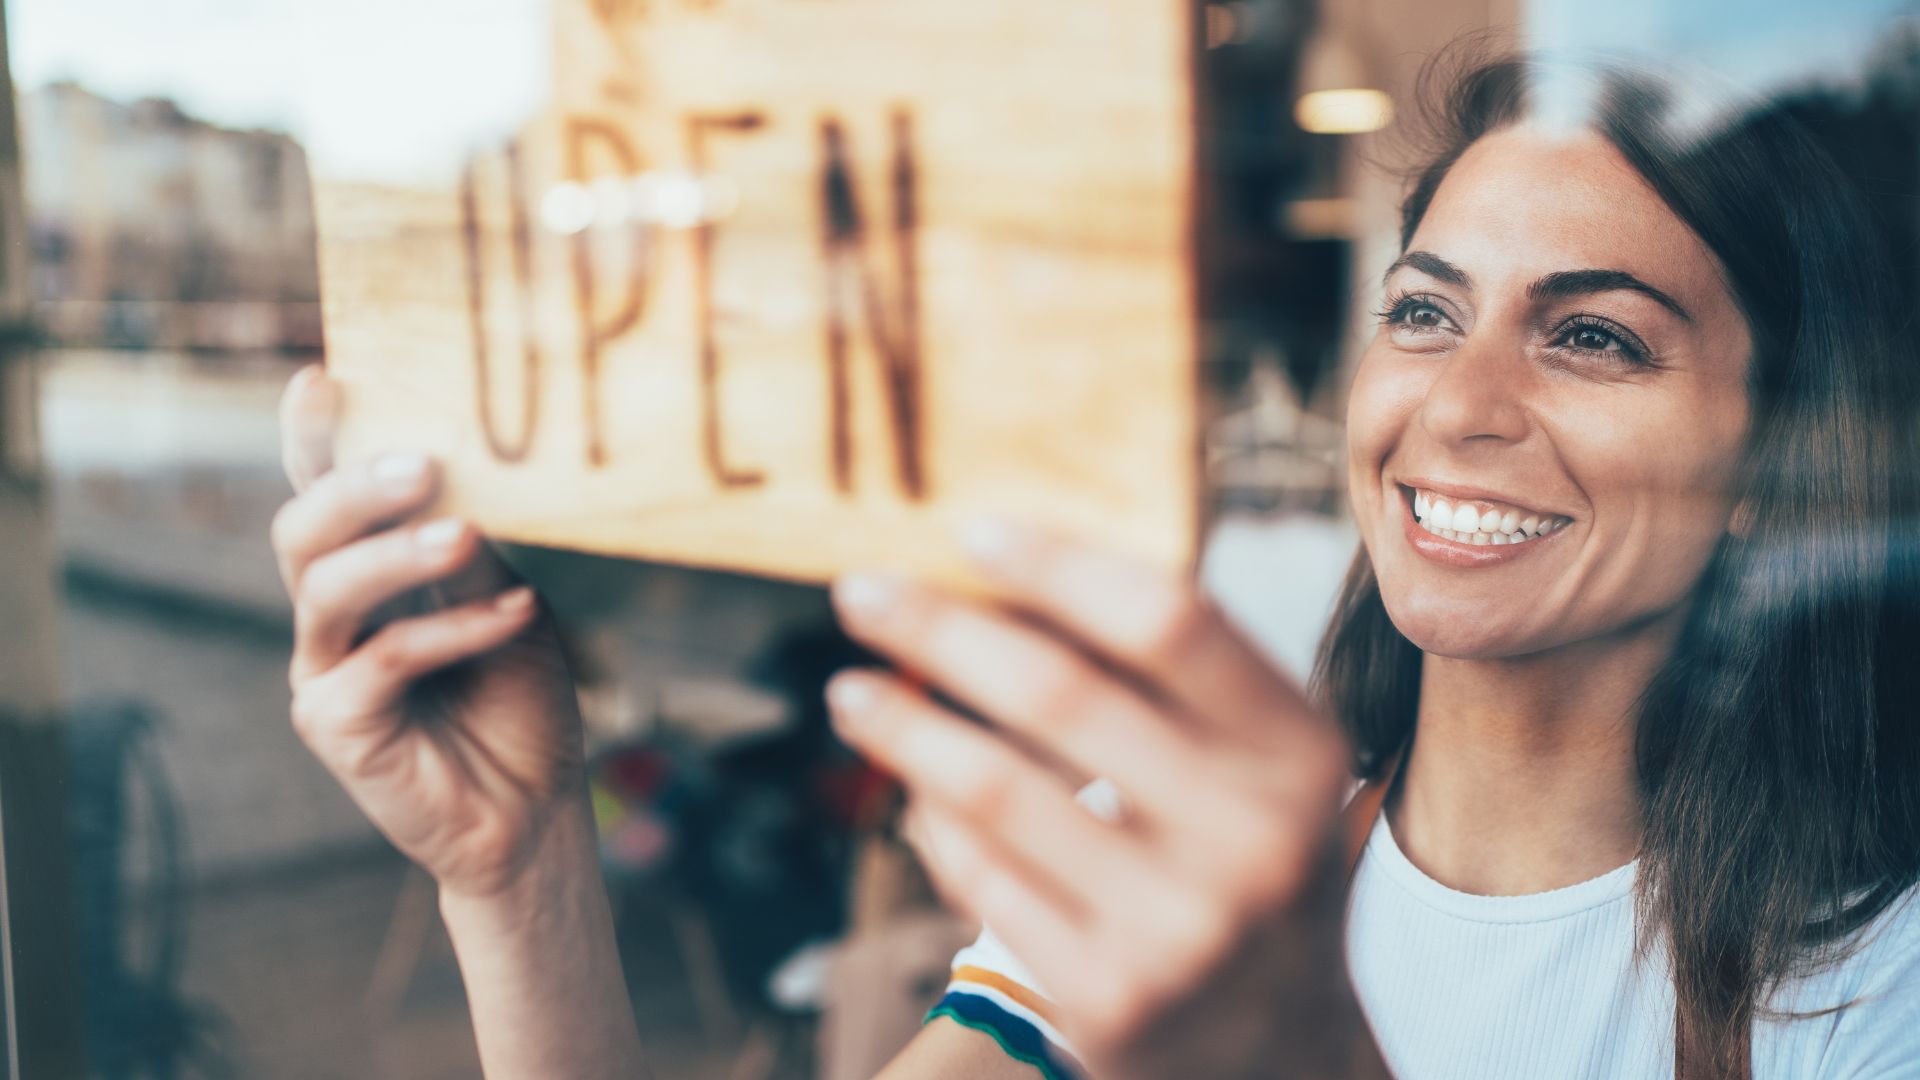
x: 1622, y: 655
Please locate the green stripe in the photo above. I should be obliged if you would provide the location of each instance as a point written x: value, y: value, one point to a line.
x: 1045, y: 1067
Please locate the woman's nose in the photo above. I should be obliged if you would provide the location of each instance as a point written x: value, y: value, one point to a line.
x: 1477, y: 395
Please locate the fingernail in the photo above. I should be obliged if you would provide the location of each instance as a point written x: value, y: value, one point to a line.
x: 439, y: 534
x: 400, y: 471
x: 316, y: 392
x: 849, y: 695
x: 514, y: 600
x: 866, y: 594
x: 992, y: 540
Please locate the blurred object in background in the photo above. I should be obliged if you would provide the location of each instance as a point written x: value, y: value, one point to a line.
x: 156, y: 230
x: 41, y: 1031
x: 138, y: 1023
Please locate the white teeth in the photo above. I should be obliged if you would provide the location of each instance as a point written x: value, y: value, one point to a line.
x: 1466, y: 523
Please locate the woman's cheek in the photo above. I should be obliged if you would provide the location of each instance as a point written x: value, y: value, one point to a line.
x: 1384, y: 397
x: 1366, y: 423
x: 1659, y: 488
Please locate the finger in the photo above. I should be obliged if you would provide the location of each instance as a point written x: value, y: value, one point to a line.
x: 1153, y: 622
x: 1049, y: 938
x: 347, y: 504
x: 1022, y: 809
x: 1025, y: 679
x: 929, y: 835
x: 341, y: 589
x: 309, y: 410
x: 1101, y: 982
x: 483, y: 575
x: 355, y: 698
x: 1092, y: 975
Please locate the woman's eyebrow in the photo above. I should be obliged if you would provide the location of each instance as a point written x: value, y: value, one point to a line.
x: 1431, y: 265
x: 1567, y: 283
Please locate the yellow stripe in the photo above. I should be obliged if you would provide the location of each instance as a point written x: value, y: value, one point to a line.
x: 1040, y: 1006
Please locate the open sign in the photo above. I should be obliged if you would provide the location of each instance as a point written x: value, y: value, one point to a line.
x: 785, y: 286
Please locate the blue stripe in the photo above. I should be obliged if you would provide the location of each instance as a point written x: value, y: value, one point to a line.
x: 1020, y: 1039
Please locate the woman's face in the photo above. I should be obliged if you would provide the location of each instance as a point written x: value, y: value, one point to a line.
x: 1543, y: 432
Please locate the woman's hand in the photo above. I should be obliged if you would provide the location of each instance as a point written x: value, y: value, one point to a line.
x: 1200, y: 934
x: 454, y: 726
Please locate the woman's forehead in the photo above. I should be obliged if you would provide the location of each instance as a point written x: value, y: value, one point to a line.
x: 1525, y: 201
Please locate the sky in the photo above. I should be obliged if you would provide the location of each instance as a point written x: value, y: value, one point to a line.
x: 229, y: 60
x: 379, y: 89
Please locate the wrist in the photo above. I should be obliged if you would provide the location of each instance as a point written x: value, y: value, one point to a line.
x: 538, y: 954
x: 562, y: 862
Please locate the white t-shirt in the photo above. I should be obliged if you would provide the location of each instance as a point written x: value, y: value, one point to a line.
x: 1497, y: 987
x: 1464, y: 987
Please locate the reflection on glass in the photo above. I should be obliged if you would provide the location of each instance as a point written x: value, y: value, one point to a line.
x: 238, y: 915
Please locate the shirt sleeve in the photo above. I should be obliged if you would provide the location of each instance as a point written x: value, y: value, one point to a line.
x: 992, y: 992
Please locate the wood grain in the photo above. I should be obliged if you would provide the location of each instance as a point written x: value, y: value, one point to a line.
x: 944, y: 267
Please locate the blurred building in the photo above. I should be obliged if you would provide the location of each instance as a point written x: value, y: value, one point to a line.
x: 155, y: 230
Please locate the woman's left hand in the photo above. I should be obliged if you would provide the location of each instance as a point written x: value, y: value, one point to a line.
x: 1200, y: 934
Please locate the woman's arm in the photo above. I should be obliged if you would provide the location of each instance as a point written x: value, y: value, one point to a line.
x: 542, y: 969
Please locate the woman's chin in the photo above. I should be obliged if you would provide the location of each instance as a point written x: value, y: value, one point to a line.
x: 1459, y: 631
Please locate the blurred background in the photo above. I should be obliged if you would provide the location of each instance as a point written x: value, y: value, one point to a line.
x: 188, y: 893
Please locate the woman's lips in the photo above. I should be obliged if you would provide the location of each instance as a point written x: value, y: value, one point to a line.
x: 1498, y: 542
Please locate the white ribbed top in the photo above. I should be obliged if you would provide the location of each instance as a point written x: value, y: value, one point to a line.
x: 1465, y: 987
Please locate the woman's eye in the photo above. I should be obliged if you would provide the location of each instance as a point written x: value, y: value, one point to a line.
x: 1593, y: 339
x: 1597, y: 339
x: 1410, y: 313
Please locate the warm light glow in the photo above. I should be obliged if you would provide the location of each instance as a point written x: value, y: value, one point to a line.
x: 1226, y: 24
x: 671, y: 198
x: 567, y: 208
x: 1343, y: 112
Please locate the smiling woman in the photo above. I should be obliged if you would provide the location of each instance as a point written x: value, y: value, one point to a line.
x: 1680, y: 351
x: 1622, y: 658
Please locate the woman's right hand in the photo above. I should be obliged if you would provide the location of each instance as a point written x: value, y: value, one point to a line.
x: 455, y: 727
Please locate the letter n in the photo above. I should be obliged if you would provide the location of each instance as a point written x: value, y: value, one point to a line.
x: 854, y: 297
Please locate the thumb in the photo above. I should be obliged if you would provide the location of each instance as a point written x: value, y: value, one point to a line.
x: 309, y: 412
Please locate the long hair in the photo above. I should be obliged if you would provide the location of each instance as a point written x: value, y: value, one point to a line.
x: 1778, y: 755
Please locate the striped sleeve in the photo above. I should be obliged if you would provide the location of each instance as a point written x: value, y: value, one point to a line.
x: 990, y: 992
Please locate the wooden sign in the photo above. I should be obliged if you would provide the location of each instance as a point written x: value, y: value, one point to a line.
x: 782, y: 286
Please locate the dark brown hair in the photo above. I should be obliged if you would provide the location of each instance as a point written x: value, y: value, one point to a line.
x: 1778, y: 754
